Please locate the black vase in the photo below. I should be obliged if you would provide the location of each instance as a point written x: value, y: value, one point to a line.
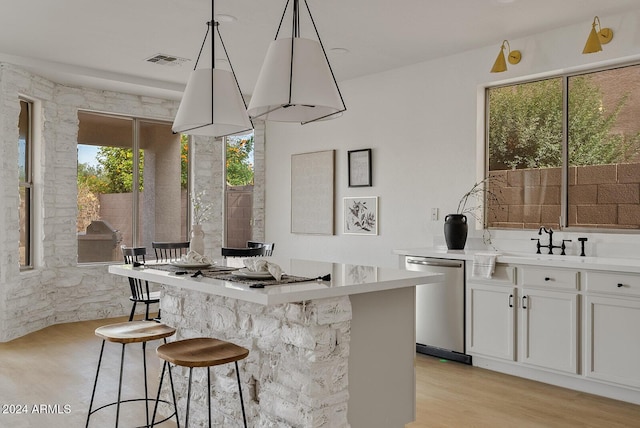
x: 455, y: 231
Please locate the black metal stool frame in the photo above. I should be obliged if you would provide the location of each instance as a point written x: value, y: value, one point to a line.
x: 146, y: 389
x: 186, y: 421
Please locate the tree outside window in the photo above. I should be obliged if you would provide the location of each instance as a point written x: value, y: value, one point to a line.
x: 526, y: 145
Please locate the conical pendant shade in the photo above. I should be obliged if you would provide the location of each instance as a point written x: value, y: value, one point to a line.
x: 500, y: 65
x: 304, y: 93
x: 207, y: 89
x: 593, y: 42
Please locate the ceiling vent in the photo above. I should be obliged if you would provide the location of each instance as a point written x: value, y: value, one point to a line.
x: 163, y: 59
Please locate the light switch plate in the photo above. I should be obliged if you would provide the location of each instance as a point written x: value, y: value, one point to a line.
x: 434, y: 214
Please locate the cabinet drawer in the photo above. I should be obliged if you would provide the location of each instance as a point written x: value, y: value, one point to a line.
x: 613, y: 283
x: 502, y: 275
x: 566, y: 279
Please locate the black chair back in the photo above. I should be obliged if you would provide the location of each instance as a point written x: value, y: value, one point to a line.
x: 166, y: 251
x: 242, y: 252
x: 268, y: 246
x: 139, y: 287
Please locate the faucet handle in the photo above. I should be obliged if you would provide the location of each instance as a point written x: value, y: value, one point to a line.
x: 537, y: 244
x: 564, y: 247
x: 582, y: 241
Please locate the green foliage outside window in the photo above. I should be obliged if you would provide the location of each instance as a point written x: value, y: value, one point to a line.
x: 113, y: 174
x: 239, y: 160
x: 184, y: 161
x: 525, y: 126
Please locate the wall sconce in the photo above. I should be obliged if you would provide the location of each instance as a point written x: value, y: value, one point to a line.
x: 501, y: 65
x: 597, y: 38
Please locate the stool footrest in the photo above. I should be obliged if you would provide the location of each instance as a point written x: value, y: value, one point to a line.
x: 132, y: 400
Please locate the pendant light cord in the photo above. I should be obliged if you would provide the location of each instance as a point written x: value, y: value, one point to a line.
x: 328, y: 64
x: 204, y: 41
x: 295, y: 27
x: 213, y: 39
x: 224, y: 48
x: 281, y: 20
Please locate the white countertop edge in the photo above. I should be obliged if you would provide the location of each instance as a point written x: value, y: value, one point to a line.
x: 267, y: 296
x: 576, y: 262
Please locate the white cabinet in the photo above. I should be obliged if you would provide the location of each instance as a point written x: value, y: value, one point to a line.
x: 576, y: 328
x: 613, y: 333
x: 533, y: 320
x: 549, y: 329
x: 491, y: 320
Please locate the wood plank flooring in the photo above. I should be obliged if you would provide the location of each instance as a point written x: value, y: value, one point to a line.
x: 46, y: 378
x: 457, y: 395
x: 56, y: 366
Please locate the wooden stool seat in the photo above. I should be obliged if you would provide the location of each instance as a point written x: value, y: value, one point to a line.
x: 201, y: 352
x: 134, y: 331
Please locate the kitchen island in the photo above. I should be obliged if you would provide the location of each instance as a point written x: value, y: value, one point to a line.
x: 333, y: 353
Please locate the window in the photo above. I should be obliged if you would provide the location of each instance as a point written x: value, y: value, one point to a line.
x: 565, y: 151
x: 239, y: 189
x: 132, y: 185
x: 25, y: 147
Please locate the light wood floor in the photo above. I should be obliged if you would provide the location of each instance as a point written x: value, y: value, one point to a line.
x: 457, y: 395
x: 56, y: 366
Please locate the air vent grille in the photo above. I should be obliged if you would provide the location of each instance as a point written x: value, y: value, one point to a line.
x: 164, y: 59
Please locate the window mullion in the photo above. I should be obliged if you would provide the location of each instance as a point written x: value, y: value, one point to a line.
x: 135, y: 223
x: 564, y: 188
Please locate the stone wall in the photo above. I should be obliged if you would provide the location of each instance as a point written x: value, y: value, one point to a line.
x: 600, y: 196
x: 57, y: 289
x: 307, y: 386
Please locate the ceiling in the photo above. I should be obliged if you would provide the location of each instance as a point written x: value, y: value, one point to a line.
x: 105, y: 43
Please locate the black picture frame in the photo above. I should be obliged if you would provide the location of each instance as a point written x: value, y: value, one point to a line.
x: 359, y: 168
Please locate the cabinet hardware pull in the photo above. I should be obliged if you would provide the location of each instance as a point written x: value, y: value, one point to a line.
x: 511, y: 300
x: 620, y: 285
x: 524, y: 302
x: 546, y: 278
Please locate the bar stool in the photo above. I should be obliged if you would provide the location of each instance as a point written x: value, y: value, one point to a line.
x: 200, y: 352
x: 124, y: 333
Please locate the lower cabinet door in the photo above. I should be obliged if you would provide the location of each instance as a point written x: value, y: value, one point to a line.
x: 613, y: 340
x: 491, y: 320
x: 549, y: 329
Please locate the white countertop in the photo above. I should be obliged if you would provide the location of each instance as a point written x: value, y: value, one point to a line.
x: 346, y: 280
x: 575, y: 262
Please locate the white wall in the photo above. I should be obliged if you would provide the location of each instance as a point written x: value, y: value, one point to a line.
x: 424, y: 124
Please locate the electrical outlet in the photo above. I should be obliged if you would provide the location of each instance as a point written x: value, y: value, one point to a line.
x: 434, y: 214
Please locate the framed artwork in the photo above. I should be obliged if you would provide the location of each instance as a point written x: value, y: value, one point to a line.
x: 359, y: 162
x: 312, y: 187
x: 361, y: 215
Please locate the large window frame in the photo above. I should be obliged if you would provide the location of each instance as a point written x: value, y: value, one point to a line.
x: 564, y: 219
x: 161, y: 212
x: 26, y: 185
x: 239, y: 191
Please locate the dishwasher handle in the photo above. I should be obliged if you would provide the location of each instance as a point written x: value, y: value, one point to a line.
x: 434, y: 262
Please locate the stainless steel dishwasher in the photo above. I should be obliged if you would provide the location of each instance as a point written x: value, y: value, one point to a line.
x: 440, y: 309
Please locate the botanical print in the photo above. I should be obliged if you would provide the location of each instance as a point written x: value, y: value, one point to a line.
x: 361, y: 215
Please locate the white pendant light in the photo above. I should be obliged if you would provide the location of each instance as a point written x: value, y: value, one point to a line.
x: 212, y: 104
x: 296, y: 83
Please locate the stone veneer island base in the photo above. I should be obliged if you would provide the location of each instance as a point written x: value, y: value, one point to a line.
x: 336, y: 353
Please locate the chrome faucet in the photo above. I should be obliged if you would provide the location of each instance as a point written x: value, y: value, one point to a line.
x: 549, y: 231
